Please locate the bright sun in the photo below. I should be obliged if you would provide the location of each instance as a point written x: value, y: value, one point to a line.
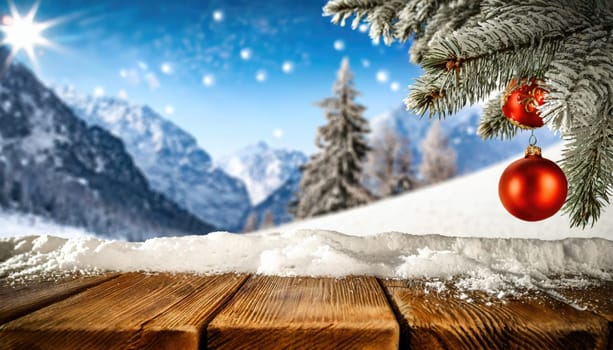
x: 23, y: 33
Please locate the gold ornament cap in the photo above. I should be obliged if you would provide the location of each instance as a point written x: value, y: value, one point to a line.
x: 533, y: 150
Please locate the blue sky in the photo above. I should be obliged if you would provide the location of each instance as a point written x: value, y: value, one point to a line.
x: 230, y: 72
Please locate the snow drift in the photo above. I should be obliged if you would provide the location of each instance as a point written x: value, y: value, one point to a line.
x: 478, y: 263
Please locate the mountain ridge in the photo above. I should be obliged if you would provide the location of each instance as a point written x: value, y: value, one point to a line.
x: 53, y: 165
x: 169, y: 156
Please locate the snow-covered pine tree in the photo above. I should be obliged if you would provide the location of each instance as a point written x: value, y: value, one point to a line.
x: 439, y: 160
x: 471, y: 49
x: 389, y: 164
x: 331, y: 178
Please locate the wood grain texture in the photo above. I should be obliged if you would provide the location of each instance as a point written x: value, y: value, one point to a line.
x: 597, y: 298
x: 472, y: 320
x: 18, y: 299
x: 306, y: 313
x: 161, y: 311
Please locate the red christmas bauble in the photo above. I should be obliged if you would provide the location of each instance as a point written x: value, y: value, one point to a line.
x: 533, y: 188
x: 519, y: 103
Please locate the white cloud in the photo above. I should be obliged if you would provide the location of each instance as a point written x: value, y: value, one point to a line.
x: 261, y: 76
x: 152, y: 81
x: 208, y: 80
x: 166, y: 68
x: 246, y: 54
x: 395, y: 86
x: 277, y: 133
x: 218, y: 15
x: 382, y: 76
x: 363, y: 28
x: 122, y: 94
x: 98, y: 91
x: 287, y: 67
x: 365, y: 63
x: 339, y: 45
x: 169, y: 109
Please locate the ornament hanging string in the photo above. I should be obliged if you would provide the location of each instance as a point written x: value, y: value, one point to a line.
x: 532, y: 141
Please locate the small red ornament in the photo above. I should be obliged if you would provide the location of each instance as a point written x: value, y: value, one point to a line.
x: 519, y: 103
x: 533, y: 188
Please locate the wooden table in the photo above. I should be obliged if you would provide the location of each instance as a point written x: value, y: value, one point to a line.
x: 184, y: 311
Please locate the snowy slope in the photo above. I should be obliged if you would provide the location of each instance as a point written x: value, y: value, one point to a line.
x: 473, y: 152
x: 262, y: 168
x: 13, y: 224
x: 169, y: 157
x: 465, y: 206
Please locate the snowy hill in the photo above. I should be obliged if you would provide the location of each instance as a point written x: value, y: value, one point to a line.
x: 473, y: 153
x: 13, y: 224
x: 465, y: 206
x: 169, y: 157
x: 263, y: 169
x: 52, y: 165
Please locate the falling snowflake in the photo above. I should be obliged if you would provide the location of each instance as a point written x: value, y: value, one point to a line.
x: 246, y: 54
x: 365, y: 63
x: 287, y: 67
x: 277, y: 133
x: 382, y: 76
x: 170, y: 110
x: 395, y: 86
x: 166, y: 68
x: 122, y: 94
x: 363, y: 28
x: 261, y: 76
x: 208, y: 80
x: 218, y: 15
x: 339, y: 45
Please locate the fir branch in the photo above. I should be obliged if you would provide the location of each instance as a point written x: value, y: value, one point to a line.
x: 473, y: 79
x: 494, y: 124
x: 380, y: 14
x: 414, y: 16
x: 588, y: 165
x: 580, y: 78
x: 447, y: 19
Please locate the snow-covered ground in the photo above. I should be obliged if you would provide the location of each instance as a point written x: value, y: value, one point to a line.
x: 16, y: 225
x: 488, y: 264
x: 467, y: 206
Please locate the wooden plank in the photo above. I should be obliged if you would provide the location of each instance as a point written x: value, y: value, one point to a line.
x: 453, y: 319
x: 306, y: 313
x: 132, y: 311
x: 597, y: 298
x: 18, y: 298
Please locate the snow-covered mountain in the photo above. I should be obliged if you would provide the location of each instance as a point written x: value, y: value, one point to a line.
x: 169, y: 157
x: 277, y: 203
x: 263, y: 169
x: 467, y: 206
x: 473, y: 153
x: 53, y: 165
